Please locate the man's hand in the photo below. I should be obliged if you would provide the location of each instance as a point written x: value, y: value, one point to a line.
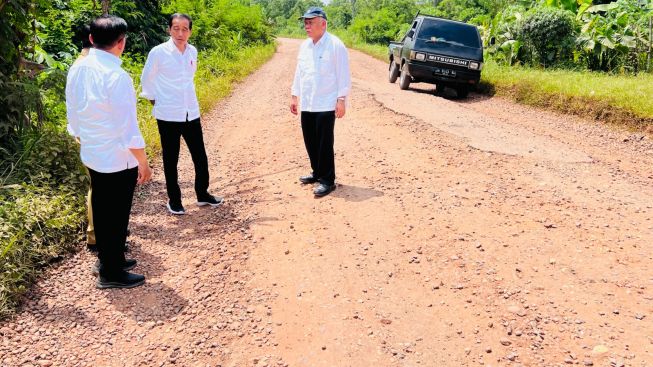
x: 293, y: 105
x: 144, y: 170
x: 144, y: 173
x: 340, y: 108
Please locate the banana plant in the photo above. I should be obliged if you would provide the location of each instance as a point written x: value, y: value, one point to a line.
x: 571, y: 5
x: 500, y: 36
x: 610, y: 32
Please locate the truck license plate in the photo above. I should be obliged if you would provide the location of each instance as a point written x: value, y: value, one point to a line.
x: 445, y: 72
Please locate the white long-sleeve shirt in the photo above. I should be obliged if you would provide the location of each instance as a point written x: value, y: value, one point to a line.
x: 322, y: 74
x: 168, y: 79
x: 101, y: 111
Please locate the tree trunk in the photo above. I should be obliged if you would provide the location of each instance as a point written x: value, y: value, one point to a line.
x: 106, y: 6
x: 650, y: 40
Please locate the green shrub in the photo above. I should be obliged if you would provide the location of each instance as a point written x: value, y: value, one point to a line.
x: 550, y: 33
x: 46, y: 157
x: 37, y: 224
x: 381, y: 27
x: 462, y: 10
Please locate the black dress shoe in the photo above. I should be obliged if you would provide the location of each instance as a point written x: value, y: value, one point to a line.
x: 129, y: 265
x: 322, y: 189
x: 308, y: 179
x: 122, y: 280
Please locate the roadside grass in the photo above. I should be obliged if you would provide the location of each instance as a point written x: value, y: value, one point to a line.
x: 617, y: 99
x: 43, y: 187
x: 623, y: 100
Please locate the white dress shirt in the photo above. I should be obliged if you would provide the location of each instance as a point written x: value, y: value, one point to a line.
x: 168, y: 79
x: 322, y: 74
x: 101, y: 111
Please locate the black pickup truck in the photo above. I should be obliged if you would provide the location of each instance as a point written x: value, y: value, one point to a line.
x: 438, y: 51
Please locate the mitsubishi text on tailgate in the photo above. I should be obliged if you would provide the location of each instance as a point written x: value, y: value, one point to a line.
x: 438, y: 51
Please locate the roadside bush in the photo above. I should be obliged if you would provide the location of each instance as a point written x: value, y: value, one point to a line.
x: 37, y: 224
x: 550, y: 34
x: 462, y: 10
x: 381, y: 27
x: 46, y: 157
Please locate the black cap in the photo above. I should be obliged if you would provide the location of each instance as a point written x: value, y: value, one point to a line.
x: 314, y: 12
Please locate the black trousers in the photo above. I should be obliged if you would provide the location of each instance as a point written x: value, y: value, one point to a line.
x: 317, y: 128
x: 171, y: 133
x: 111, y: 199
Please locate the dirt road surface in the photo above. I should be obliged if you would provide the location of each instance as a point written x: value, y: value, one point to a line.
x: 462, y: 233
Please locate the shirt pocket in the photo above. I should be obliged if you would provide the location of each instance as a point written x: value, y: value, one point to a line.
x: 168, y: 66
x: 191, y: 65
x: 305, y: 65
x: 325, y: 65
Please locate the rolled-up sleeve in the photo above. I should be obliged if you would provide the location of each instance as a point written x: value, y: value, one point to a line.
x: 148, y: 76
x: 343, y: 75
x: 123, y: 99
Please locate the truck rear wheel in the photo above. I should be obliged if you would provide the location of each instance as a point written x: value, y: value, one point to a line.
x: 404, y: 79
x: 394, y: 72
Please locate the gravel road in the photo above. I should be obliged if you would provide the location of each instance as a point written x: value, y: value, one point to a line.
x: 469, y: 232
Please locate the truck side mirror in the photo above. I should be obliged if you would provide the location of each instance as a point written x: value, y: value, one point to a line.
x: 493, y: 40
x: 410, y: 34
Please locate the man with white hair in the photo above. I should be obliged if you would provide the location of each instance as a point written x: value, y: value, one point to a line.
x: 321, y: 85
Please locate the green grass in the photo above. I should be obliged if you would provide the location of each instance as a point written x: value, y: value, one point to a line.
x: 379, y: 52
x: 218, y: 73
x: 619, y: 99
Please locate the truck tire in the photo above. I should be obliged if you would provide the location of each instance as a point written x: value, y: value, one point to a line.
x: 404, y: 79
x: 462, y: 92
x: 393, y: 72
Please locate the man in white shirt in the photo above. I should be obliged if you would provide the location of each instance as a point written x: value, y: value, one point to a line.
x: 101, y: 111
x: 321, y: 85
x: 168, y: 83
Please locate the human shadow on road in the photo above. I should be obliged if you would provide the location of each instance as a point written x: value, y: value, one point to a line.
x: 355, y: 193
x: 151, y: 302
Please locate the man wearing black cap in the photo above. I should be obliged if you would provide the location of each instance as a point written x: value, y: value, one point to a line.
x: 321, y: 85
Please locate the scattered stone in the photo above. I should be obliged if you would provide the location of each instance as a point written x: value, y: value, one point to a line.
x: 517, y: 311
x: 505, y: 341
x: 600, y: 349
